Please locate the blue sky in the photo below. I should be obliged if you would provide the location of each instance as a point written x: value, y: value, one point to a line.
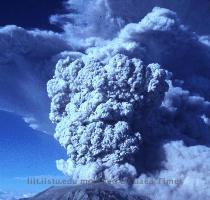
x: 23, y: 151
x: 29, y: 13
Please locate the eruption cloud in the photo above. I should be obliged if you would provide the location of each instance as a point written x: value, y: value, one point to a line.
x: 97, y: 107
x: 120, y: 115
x: 130, y: 93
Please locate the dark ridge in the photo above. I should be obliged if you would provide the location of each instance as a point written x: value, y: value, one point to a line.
x: 97, y: 191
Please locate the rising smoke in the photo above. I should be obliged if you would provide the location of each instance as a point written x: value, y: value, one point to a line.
x: 100, y: 110
x: 121, y: 117
x: 132, y: 101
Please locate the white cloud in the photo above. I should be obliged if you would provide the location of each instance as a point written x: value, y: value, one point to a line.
x: 13, y: 196
x: 188, y: 165
x: 27, y: 61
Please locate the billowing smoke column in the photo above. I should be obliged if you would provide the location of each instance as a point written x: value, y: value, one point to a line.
x: 119, y: 116
x: 99, y: 109
x: 122, y: 117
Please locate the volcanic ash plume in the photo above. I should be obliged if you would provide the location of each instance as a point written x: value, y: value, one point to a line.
x: 122, y: 118
x: 99, y: 109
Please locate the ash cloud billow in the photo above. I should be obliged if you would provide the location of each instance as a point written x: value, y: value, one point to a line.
x: 135, y: 104
x: 130, y: 93
x: 100, y: 109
